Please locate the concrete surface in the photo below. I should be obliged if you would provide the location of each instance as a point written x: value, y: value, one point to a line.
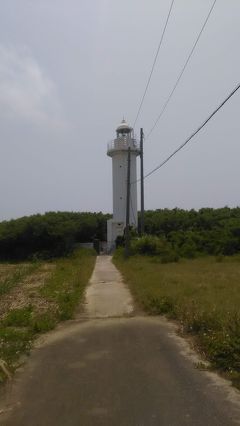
x: 116, y: 372
x: 107, y: 295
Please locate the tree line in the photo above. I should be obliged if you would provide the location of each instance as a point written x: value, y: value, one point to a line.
x: 190, y: 232
x: 49, y: 235
x: 187, y: 232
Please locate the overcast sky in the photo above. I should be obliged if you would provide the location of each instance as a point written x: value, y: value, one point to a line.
x: 71, y: 69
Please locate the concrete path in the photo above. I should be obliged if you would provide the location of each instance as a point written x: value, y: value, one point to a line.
x: 107, y: 296
x: 129, y: 371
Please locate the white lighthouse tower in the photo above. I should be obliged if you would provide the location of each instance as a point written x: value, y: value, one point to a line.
x: 118, y: 150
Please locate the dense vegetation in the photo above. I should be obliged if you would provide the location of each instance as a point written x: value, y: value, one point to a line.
x: 202, y: 294
x: 183, y: 233
x: 190, y: 233
x: 49, y: 235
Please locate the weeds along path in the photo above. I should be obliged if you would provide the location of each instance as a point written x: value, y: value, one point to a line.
x: 34, y: 298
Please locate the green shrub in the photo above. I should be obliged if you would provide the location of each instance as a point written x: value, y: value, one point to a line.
x: 19, y: 317
x: 43, y: 322
x: 145, y: 245
x: 120, y: 241
x: 158, y: 306
x: 151, y: 245
x: 13, y: 343
x: 223, y: 349
x: 189, y: 250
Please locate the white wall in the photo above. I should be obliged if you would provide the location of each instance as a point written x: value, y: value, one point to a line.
x: 119, y: 178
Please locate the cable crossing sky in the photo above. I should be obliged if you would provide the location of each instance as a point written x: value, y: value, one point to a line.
x: 154, y: 63
x: 182, y: 71
x: 195, y: 132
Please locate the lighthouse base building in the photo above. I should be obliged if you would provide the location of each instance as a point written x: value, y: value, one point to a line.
x: 118, y: 151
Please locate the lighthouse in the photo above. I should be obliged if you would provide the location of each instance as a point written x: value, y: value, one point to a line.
x: 118, y: 151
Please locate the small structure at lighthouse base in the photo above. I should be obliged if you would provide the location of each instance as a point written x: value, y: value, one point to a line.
x: 118, y: 151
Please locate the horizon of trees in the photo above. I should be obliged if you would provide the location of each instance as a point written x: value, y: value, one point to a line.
x: 190, y: 232
x: 49, y: 235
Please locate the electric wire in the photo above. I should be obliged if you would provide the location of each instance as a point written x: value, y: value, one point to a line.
x: 194, y: 133
x: 154, y: 62
x: 183, y: 70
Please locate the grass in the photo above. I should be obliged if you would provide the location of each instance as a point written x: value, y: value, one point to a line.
x: 13, y: 343
x: 60, y: 294
x: 202, y: 294
x: 15, y: 276
x: 18, y: 317
x: 68, y: 282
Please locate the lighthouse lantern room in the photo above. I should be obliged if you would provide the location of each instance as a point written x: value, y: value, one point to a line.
x: 118, y: 151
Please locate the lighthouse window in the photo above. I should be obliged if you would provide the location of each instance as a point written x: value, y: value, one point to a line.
x: 120, y: 198
x: 120, y: 166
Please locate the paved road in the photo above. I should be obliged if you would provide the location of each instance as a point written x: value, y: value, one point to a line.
x: 107, y: 296
x: 129, y: 371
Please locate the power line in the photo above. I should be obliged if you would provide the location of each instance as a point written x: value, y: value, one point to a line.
x: 154, y: 63
x: 194, y: 133
x: 183, y: 69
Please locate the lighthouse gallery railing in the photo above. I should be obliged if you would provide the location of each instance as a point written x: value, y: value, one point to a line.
x: 122, y: 144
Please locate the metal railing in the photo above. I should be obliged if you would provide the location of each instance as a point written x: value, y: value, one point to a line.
x: 122, y: 144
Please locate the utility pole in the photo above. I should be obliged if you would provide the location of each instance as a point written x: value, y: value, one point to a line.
x: 127, y: 230
x: 142, y: 185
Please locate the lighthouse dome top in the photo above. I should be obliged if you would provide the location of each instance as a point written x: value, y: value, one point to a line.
x: 124, y: 127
